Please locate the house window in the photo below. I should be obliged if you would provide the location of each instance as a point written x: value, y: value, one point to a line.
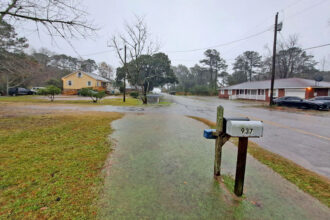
x: 274, y: 92
x: 89, y: 83
x: 69, y: 83
x: 253, y: 92
x: 98, y: 83
x: 222, y: 91
x: 79, y: 75
x: 262, y: 92
x: 230, y: 92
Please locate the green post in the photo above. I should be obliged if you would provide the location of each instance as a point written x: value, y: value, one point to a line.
x: 219, y: 142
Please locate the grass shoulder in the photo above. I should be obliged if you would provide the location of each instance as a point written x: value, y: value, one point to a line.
x: 306, y: 180
x: 51, y: 164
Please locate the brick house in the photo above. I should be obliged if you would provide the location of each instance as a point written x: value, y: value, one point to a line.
x: 260, y: 90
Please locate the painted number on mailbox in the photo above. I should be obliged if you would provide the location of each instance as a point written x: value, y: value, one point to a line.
x: 244, y: 128
x: 247, y: 130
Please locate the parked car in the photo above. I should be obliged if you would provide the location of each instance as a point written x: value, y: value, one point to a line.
x: 36, y: 89
x: 293, y: 101
x: 325, y: 100
x: 20, y: 91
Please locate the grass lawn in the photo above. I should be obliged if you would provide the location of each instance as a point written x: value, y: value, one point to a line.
x: 51, y: 164
x: 40, y: 99
x: 308, y: 181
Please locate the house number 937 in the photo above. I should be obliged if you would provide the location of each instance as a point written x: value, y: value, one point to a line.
x: 246, y: 130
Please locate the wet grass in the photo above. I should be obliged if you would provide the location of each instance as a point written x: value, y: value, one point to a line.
x: 40, y: 99
x: 306, y: 180
x: 114, y: 102
x: 229, y: 181
x: 51, y: 164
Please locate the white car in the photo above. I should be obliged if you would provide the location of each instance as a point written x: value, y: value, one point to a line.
x: 36, y: 89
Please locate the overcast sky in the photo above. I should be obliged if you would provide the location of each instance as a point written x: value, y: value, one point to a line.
x: 192, y: 24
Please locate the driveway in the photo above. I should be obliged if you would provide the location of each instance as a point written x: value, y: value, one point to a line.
x: 165, y: 171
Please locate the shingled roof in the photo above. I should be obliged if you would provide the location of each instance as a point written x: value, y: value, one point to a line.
x: 93, y: 75
x: 97, y: 77
x: 280, y: 84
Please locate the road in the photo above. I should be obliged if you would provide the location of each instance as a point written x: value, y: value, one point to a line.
x: 301, y: 137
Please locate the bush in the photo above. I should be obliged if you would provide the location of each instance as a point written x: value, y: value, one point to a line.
x: 134, y: 94
x: 85, y: 91
x: 96, y: 95
x: 50, y: 91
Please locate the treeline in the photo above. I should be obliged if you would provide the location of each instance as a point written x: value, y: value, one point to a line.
x: 38, y: 68
x: 212, y: 72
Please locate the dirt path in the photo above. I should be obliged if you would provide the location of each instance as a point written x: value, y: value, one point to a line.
x: 162, y: 168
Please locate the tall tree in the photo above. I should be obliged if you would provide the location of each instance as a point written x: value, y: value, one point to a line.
x: 291, y: 61
x: 154, y: 71
x: 105, y: 70
x: 186, y: 80
x: 248, y: 63
x: 215, y: 64
x: 13, y: 63
x: 136, y: 38
x: 236, y: 78
x: 88, y: 65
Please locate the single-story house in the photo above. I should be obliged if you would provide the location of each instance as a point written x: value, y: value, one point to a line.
x: 260, y: 90
x: 79, y: 79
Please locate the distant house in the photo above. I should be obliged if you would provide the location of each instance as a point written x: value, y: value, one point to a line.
x: 260, y: 90
x: 79, y: 79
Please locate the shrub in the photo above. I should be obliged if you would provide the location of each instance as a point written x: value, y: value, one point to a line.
x: 96, y: 95
x: 134, y: 94
x: 85, y: 91
x: 50, y: 91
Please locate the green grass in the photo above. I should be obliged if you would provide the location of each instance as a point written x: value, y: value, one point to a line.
x: 308, y: 181
x: 115, y: 101
x: 229, y: 182
x: 40, y: 99
x: 51, y: 164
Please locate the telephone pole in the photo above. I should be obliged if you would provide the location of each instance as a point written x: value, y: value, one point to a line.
x: 125, y: 70
x: 276, y: 28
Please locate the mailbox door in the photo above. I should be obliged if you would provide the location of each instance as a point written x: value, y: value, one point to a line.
x: 244, y: 128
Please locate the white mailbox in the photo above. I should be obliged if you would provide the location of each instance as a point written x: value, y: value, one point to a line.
x: 244, y: 128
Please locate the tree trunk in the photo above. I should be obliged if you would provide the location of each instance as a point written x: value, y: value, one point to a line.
x: 7, y: 85
x: 144, y: 100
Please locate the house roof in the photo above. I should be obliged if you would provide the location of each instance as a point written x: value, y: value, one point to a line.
x: 281, y: 84
x: 93, y: 75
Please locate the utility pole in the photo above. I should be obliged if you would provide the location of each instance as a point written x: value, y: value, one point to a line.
x: 271, y: 102
x: 125, y: 67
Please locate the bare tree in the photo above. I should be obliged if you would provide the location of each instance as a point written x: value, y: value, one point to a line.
x: 60, y: 17
x: 137, y: 40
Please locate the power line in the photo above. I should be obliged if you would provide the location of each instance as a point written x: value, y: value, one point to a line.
x: 323, y: 45
x: 306, y: 9
x: 220, y: 45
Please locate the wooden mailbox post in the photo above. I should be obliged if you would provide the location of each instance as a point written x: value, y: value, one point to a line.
x: 242, y: 128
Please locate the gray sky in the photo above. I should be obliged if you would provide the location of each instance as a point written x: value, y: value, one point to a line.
x: 192, y: 24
